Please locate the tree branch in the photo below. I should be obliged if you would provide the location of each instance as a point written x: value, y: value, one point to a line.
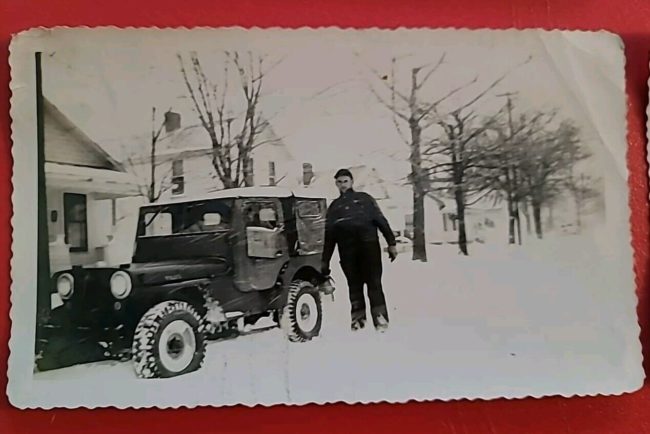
x: 192, y: 94
x: 391, y: 87
x: 433, y: 106
x: 393, y: 110
x: 433, y: 70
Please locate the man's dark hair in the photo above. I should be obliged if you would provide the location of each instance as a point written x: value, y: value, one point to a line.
x: 343, y: 172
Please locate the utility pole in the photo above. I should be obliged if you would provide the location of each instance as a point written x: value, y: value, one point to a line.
x: 43, y: 285
x: 155, y: 135
x: 154, y: 139
x: 512, y: 169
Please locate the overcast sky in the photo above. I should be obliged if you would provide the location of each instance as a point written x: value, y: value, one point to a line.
x: 317, y: 96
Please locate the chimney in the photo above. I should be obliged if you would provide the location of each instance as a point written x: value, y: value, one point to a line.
x: 172, y: 121
x: 307, y: 173
x: 271, y: 172
x: 248, y: 172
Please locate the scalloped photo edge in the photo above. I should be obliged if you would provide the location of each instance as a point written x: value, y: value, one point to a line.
x: 231, y: 216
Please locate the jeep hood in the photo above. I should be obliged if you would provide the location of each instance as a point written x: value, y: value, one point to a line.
x: 153, y: 273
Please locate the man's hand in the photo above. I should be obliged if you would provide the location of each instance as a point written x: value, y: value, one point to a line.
x: 392, y: 253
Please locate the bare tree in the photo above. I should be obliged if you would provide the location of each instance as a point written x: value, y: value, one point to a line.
x: 412, y: 108
x: 533, y: 164
x: 580, y: 186
x: 504, y: 167
x: 550, y: 156
x: 455, y: 163
x: 583, y: 192
x: 145, y: 165
x: 232, y: 120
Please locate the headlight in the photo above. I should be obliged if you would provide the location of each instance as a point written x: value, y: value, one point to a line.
x: 65, y: 285
x: 121, y: 284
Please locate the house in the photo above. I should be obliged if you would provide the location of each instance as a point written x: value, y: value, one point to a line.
x: 183, y: 161
x: 83, y: 183
x: 484, y: 221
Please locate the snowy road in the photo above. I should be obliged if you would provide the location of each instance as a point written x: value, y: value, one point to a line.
x: 500, y: 321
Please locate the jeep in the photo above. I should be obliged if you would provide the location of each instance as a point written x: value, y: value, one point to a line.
x: 201, y: 269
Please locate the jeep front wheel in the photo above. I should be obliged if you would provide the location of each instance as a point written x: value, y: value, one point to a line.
x: 168, y: 341
x: 302, y: 316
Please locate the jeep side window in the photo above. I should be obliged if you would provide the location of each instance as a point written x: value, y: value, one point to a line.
x: 206, y: 217
x: 309, y: 208
x: 261, y: 215
x: 158, y: 223
x: 207, y: 222
x: 213, y: 220
x: 268, y: 217
x: 310, y: 225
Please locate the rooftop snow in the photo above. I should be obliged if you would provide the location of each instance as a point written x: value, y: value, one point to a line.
x: 260, y: 191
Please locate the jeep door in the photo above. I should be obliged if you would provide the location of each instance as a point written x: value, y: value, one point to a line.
x: 261, y: 248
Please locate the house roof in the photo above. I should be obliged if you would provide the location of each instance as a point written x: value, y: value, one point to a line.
x: 63, y: 156
x: 193, y: 140
x: 101, y: 182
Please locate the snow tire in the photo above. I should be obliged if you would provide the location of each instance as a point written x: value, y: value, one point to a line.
x: 172, y: 322
x: 302, y: 316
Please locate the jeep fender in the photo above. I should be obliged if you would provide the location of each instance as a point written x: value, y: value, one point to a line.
x: 192, y: 291
x: 308, y: 273
x: 305, y: 273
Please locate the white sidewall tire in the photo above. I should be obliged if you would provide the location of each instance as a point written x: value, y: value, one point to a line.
x: 176, y: 320
x: 176, y: 346
x: 306, y: 312
x: 301, y: 295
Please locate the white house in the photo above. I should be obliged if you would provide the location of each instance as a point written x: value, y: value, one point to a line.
x: 184, y: 162
x: 83, y: 183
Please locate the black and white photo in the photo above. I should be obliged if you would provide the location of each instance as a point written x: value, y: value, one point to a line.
x: 231, y: 216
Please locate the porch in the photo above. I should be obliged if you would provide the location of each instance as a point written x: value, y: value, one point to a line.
x: 84, y: 224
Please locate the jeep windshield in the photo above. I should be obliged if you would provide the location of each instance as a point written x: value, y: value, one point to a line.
x: 190, y: 230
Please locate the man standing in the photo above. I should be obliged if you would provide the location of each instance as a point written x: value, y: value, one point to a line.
x: 351, y: 223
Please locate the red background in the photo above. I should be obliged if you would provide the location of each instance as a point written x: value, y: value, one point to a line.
x: 630, y: 18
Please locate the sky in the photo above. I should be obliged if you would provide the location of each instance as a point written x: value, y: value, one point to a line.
x: 317, y: 97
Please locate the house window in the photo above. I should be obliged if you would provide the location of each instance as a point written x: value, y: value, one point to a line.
x: 75, y: 221
x: 178, y: 180
x: 448, y: 218
x: 113, y: 212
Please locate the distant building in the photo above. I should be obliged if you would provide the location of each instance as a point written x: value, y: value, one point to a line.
x: 485, y: 221
x: 184, y: 161
x: 83, y: 183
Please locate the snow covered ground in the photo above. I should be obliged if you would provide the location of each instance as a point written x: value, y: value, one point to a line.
x: 505, y: 320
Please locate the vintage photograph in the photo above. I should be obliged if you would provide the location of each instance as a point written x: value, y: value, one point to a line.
x: 231, y: 216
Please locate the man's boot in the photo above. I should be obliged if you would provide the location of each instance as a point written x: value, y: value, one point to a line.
x: 381, y: 323
x: 358, y: 324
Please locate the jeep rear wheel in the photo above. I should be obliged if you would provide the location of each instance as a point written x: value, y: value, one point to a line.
x: 302, y: 316
x: 169, y: 341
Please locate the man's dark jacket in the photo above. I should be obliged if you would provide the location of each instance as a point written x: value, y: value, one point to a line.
x: 351, y: 223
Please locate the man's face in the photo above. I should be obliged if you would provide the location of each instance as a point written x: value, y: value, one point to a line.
x: 343, y: 183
